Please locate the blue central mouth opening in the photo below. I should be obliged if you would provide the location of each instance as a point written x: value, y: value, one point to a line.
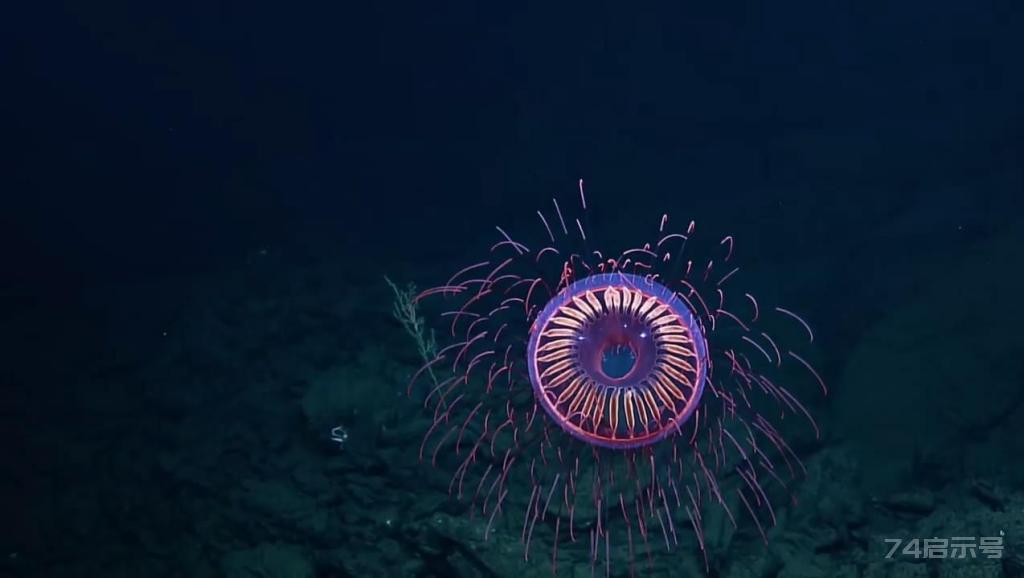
x: 618, y: 360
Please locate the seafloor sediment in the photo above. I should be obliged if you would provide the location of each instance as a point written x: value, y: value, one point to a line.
x: 194, y: 440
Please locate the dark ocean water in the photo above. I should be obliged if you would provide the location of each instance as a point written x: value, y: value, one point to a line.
x: 203, y: 374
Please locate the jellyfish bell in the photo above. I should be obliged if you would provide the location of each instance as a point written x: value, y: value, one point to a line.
x: 617, y: 360
x: 576, y: 397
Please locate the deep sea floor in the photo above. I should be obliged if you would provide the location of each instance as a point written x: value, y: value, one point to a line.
x: 184, y: 428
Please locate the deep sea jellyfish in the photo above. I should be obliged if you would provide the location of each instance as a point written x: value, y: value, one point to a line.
x: 606, y: 403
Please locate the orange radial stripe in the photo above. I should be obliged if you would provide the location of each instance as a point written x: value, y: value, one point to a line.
x: 569, y: 391
x: 566, y: 322
x: 613, y: 410
x: 556, y: 368
x: 652, y: 403
x: 572, y: 312
x: 627, y: 298
x: 664, y: 320
x: 671, y: 387
x: 627, y: 301
x: 627, y: 405
x: 676, y: 361
x: 584, y: 307
x: 599, y: 407
x: 588, y: 404
x: 611, y: 299
x: 678, y: 349
x: 593, y: 300
x: 554, y: 356
x: 641, y: 408
x: 646, y: 306
x: 674, y: 338
x: 556, y: 344
x: 579, y: 398
x: 679, y: 377
x: 638, y: 300
x: 560, y: 378
x: 670, y: 329
x: 557, y: 332
x: 656, y: 313
x: 660, y: 390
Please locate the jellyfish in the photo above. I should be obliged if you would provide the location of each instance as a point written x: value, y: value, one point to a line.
x: 609, y: 401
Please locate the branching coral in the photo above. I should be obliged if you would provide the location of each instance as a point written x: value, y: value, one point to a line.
x: 404, y: 310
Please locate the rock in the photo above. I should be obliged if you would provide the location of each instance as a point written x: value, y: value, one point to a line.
x: 989, y: 495
x: 918, y: 503
x: 274, y: 560
x: 286, y: 506
x: 941, y: 374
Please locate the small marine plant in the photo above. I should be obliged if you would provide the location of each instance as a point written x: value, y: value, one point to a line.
x: 405, y: 311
